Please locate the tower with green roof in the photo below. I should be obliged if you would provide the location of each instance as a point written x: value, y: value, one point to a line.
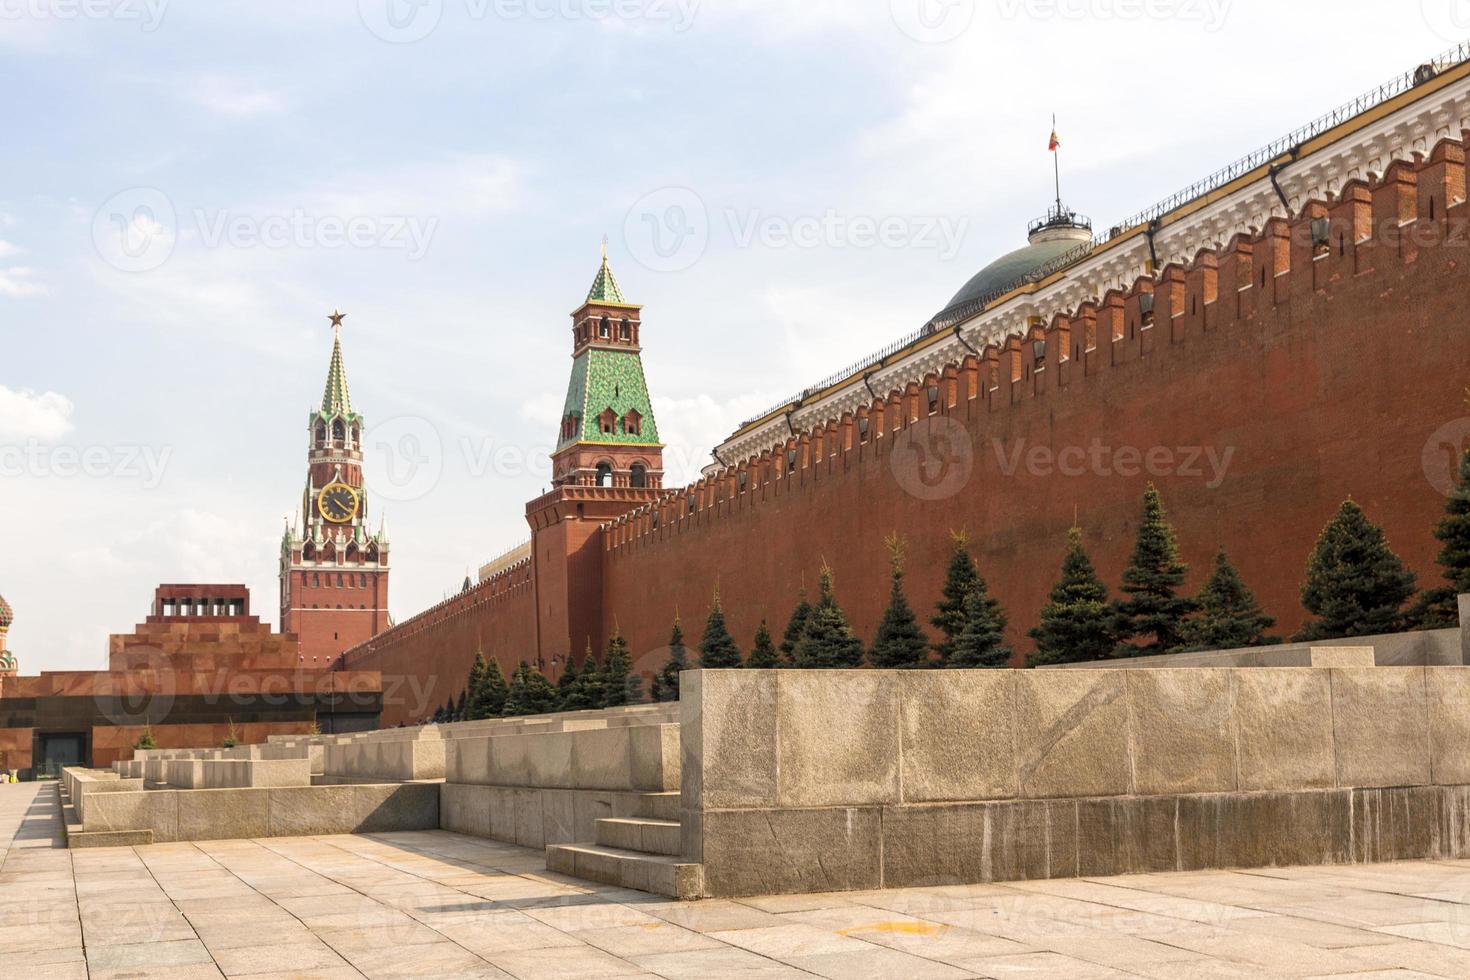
x: 608, y: 437
x: 608, y: 460
x: 334, y: 564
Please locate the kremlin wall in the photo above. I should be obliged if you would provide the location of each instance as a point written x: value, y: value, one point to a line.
x: 1291, y: 336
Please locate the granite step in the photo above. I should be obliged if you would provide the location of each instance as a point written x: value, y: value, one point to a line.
x: 640, y: 834
x: 659, y: 806
x: 660, y: 874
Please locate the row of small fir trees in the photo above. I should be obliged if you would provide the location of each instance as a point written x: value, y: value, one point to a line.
x: 1355, y: 585
x: 487, y: 694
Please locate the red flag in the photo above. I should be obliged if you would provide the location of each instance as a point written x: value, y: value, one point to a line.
x: 1055, y: 142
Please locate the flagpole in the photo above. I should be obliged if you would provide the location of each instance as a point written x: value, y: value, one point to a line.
x: 1056, y: 160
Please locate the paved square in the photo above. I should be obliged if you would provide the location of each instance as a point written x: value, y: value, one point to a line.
x: 437, y: 904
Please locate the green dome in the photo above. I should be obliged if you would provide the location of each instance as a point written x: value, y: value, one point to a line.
x: 1056, y: 235
x: 7, y: 615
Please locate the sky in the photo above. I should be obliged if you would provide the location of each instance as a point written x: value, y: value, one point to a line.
x: 189, y: 187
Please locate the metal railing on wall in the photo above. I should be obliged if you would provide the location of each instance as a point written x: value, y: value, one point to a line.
x: 960, y: 312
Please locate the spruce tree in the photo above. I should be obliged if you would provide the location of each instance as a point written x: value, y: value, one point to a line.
x: 763, y: 655
x: 828, y: 642
x: 567, y: 681
x: 585, y: 693
x: 900, y: 643
x: 475, y: 708
x: 665, y: 686
x: 459, y: 707
x: 619, y: 684
x: 982, y: 642
x: 1149, y: 607
x: 494, y: 689
x: 959, y: 580
x: 1355, y: 585
x: 1076, y: 623
x: 1439, y: 608
x: 794, y: 629
x: 540, y: 693
x: 717, y: 649
x: 530, y: 693
x: 1230, y: 617
x: 1453, y: 532
x: 516, y: 695
x: 146, y: 739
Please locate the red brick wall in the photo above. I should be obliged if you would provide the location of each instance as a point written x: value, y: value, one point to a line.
x: 425, y: 661
x: 314, y: 617
x: 1328, y: 382
x: 1311, y: 376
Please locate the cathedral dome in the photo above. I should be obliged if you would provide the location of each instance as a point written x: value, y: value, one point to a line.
x: 1051, y: 237
x: 7, y: 615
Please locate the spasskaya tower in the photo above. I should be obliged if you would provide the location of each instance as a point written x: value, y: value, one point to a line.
x: 334, y: 569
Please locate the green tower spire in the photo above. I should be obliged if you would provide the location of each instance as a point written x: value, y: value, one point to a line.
x: 605, y: 286
x: 335, y: 399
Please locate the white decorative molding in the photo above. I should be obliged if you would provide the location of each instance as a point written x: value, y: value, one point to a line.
x: 1413, y: 129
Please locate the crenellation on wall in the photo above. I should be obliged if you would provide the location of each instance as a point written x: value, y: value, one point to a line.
x: 1304, y: 339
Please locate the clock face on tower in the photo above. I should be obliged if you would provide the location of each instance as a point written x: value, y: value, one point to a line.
x: 337, y: 502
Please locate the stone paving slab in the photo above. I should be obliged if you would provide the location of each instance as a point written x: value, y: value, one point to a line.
x: 436, y: 904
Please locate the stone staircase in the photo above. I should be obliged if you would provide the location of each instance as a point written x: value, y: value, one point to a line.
x: 641, y: 851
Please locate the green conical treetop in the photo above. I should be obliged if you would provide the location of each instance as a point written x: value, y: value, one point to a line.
x: 828, y: 642
x: 665, y: 686
x: 619, y: 684
x: 1454, y: 532
x: 496, y: 689
x: 1150, y: 608
x: 475, y: 689
x: 541, y: 693
x: 568, y: 678
x: 1076, y: 624
x: 900, y: 643
x: 763, y: 655
x: 586, y: 692
x: 959, y: 580
x: 516, y: 696
x: 1229, y: 616
x: 717, y: 649
x: 794, y: 629
x: 146, y: 739
x: 530, y: 693
x: 459, y: 707
x: 1439, y: 608
x: 982, y: 643
x: 1355, y: 585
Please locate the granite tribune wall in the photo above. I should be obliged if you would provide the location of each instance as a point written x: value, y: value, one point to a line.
x: 812, y: 781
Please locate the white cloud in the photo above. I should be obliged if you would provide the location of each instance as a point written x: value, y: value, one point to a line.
x: 447, y: 186
x: 691, y: 427
x: 8, y: 250
x: 19, y: 282
x: 544, y: 409
x: 235, y: 97
x: 25, y: 414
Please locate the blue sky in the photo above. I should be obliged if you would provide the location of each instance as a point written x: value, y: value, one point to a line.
x: 445, y: 174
